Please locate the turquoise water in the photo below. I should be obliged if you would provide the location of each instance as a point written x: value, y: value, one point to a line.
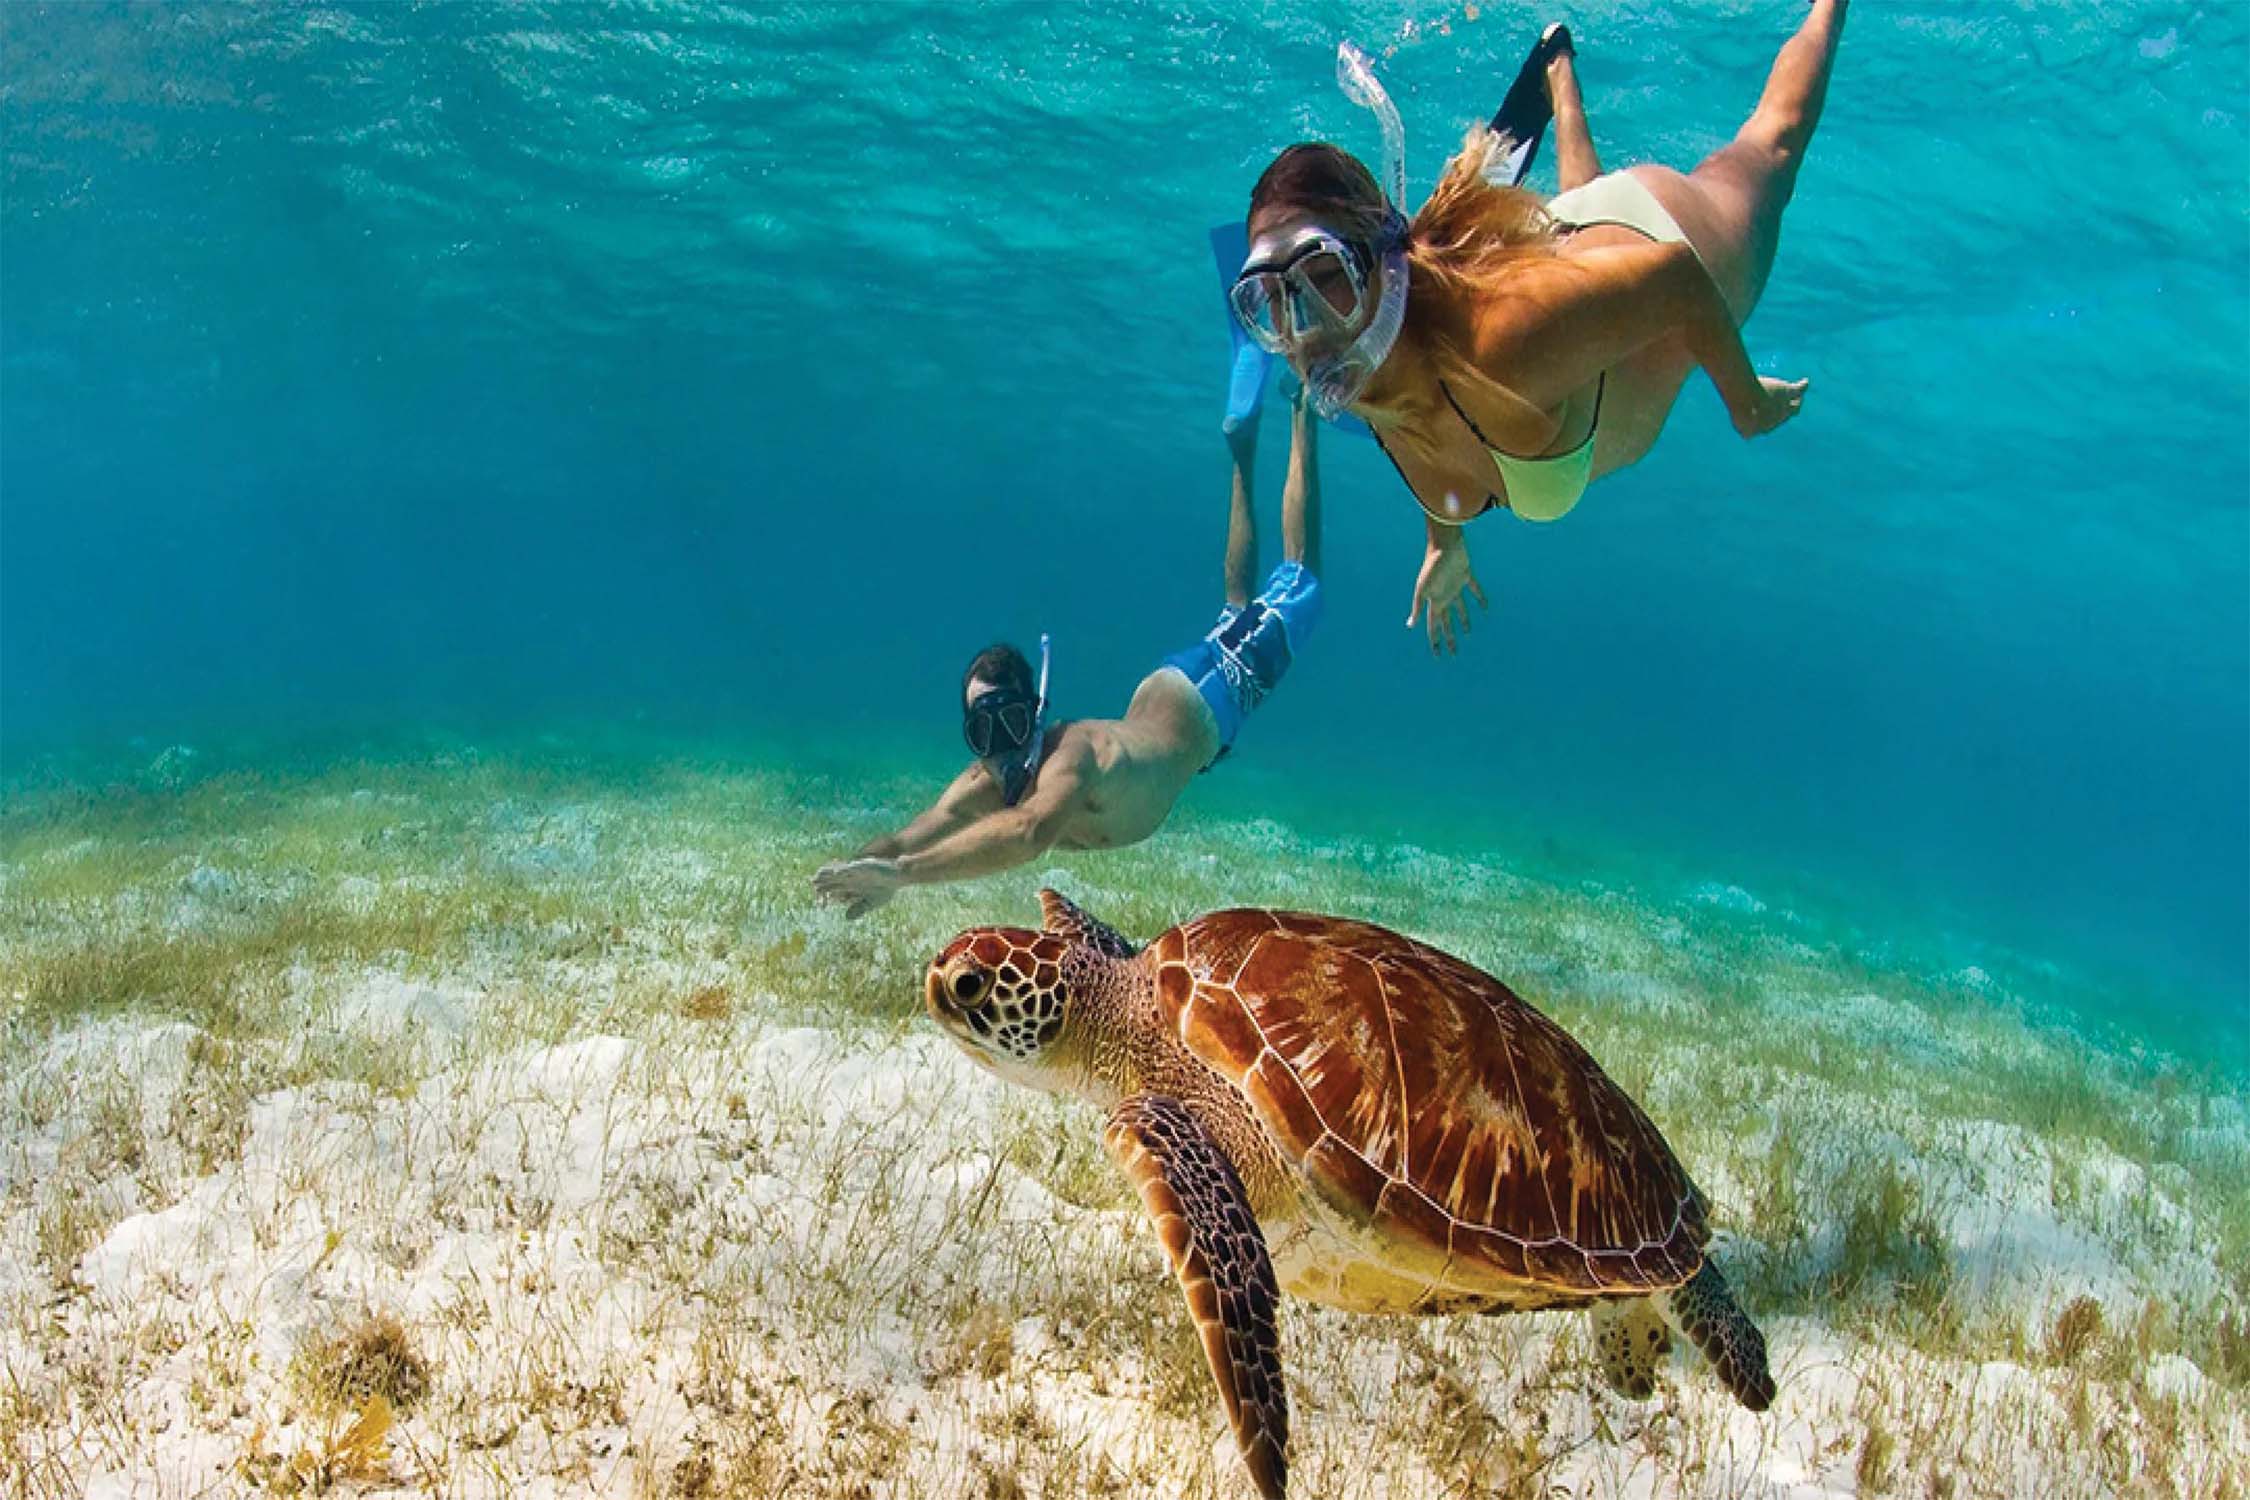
x: 737, y: 372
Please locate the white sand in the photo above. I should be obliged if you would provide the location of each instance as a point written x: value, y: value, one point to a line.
x: 643, y: 1244
x: 761, y: 1260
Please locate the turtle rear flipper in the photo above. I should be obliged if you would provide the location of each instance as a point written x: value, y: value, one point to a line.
x: 1202, y: 1215
x: 1707, y: 1313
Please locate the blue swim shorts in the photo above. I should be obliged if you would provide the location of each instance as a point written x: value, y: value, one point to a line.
x: 1246, y: 653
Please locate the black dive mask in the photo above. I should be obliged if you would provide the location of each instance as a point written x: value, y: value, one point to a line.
x: 1000, y: 722
x: 1005, y: 729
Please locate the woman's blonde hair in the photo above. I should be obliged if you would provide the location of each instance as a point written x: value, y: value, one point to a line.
x: 1472, y: 230
x: 1464, y: 241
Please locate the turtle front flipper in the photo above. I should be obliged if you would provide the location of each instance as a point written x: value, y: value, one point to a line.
x: 1631, y: 1340
x: 1196, y: 1200
x: 1065, y: 917
x: 1705, y: 1310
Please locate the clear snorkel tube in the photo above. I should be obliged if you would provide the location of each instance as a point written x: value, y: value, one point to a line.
x: 1355, y: 75
x: 1333, y: 384
x: 1046, y: 654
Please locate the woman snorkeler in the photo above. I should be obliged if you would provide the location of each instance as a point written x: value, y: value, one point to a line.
x: 1505, y: 352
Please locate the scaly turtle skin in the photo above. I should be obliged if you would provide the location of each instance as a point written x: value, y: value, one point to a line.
x: 1322, y: 1106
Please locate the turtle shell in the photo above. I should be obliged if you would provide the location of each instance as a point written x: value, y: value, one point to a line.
x: 1424, y: 1099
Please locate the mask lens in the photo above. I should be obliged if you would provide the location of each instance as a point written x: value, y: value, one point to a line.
x: 997, y: 728
x: 1255, y: 298
x: 1315, y: 294
x: 1326, y: 278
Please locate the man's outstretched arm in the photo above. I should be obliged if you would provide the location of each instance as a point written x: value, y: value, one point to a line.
x: 860, y: 884
x: 972, y: 795
x: 1000, y: 840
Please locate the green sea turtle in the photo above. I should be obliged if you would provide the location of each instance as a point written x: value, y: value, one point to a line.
x: 1324, y: 1106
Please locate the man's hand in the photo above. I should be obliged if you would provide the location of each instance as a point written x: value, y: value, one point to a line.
x: 858, y: 885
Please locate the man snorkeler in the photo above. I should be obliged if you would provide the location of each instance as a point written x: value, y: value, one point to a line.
x: 1038, y: 782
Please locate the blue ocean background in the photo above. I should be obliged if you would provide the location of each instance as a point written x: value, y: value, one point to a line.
x: 727, y: 375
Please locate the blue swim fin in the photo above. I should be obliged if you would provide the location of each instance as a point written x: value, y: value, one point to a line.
x: 1252, y: 369
x: 1248, y: 374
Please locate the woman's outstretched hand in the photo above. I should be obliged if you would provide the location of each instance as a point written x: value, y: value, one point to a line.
x: 1438, y: 591
x: 1776, y: 402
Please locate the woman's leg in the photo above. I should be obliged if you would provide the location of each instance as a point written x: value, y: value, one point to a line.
x: 1746, y: 183
x: 1576, y: 164
x: 1730, y: 209
x: 1756, y: 174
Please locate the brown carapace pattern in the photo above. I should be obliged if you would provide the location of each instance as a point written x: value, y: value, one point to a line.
x: 1425, y: 1096
x: 1202, y: 1216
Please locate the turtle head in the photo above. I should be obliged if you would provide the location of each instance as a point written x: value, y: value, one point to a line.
x: 1002, y: 995
x: 1026, y: 1004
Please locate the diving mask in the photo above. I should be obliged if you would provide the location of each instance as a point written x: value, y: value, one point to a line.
x: 1306, y: 297
x: 1305, y: 288
x: 999, y: 722
x: 1005, y: 729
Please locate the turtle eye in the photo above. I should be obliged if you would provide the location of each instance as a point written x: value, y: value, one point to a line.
x: 967, y: 985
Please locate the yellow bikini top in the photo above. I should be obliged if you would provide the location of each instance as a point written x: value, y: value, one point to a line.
x: 1541, y: 489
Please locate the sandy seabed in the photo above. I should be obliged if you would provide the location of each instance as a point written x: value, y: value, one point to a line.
x: 470, y: 1126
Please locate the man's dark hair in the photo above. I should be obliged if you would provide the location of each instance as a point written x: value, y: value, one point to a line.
x: 1003, y: 666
